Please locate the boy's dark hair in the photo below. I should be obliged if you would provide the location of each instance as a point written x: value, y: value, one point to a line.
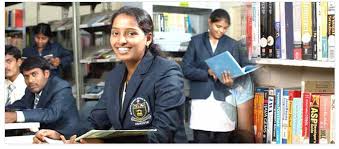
x: 44, y: 29
x: 220, y: 14
x: 12, y: 50
x: 34, y: 62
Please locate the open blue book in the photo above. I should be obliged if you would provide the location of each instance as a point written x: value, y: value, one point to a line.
x: 226, y: 62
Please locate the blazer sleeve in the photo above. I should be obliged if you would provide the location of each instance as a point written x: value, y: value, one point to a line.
x: 190, y: 66
x: 55, y: 109
x: 168, y: 105
x: 23, y: 103
x: 66, y: 56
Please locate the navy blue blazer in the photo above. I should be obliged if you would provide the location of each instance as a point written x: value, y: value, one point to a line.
x: 195, y: 68
x: 56, y: 108
x: 66, y: 56
x: 154, y: 100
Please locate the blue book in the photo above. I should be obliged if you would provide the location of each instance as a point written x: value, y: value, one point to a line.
x: 226, y: 62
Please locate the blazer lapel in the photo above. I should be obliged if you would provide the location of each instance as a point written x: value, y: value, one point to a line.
x: 207, y: 44
x: 43, y: 100
x: 220, y: 47
x: 136, y: 80
x: 114, y: 93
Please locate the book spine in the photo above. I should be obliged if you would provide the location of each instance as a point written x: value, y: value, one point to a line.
x: 10, y: 18
x: 278, y: 111
x: 260, y: 114
x: 332, y: 123
x: 323, y: 29
x: 297, y: 51
x: 314, y: 30
x: 256, y: 29
x: 289, y: 29
x: 297, y: 116
x: 277, y: 30
x: 306, y: 30
x: 265, y: 116
x: 270, y: 115
x: 284, y: 116
x: 306, y: 118
x: 282, y: 29
x: 294, y: 121
x: 331, y: 31
x: 319, y: 41
x: 274, y: 131
x: 324, y: 119
x: 255, y: 113
x: 291, y: 95
x: 314, y: 119
x: 270, y: 31
x: 18, y: 18
x: 162, y: 22
x: 263, y: 30
x: 249, y: 36
x: 299, y: 120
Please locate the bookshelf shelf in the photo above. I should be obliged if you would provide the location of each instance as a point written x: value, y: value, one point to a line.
x: 11, y: 29
x: 90, y: 96
x: 301, y: 63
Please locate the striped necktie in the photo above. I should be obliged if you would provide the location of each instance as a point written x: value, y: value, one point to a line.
x: 10, y: 89
x: 36, y: 100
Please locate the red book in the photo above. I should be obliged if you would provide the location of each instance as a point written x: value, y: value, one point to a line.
x: 305, y: 132
x: 18, y: 18
x: 324, y: 119
x: 249, y: 43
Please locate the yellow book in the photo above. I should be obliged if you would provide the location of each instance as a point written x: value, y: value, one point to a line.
x: 306, y: 24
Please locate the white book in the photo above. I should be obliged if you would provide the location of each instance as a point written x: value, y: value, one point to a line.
x: 283, y: 30
x: 331, y: 37
x: 319, y: 41
x: 297, y: 24
x: 256, y: 29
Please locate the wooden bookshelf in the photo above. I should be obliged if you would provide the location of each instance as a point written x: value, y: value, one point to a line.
x: 285, y: 62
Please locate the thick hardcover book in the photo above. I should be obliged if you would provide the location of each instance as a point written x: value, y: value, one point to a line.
x: 331, y: 31
x: 332, y: 120
x: 249, y: 27
x: 289, y: 30
x: 314, y: 31
x: 314, y: 119
x: 270, y: 48
x: 319, y: 86
x: 18, y: 18
x: 259, y: 93
x: 226, y: 62
x: 319, y: 41
x: 324, y: 118
x: 291, y: 95
x: 306, y: 30
x: 278, y: 117
x: 256, y: 29
x: 263, y: 29
x: 284, y: 115
x: 323, y: 29
x: 277, y: 30
x: 282, y: 30
x: 296, y: 121
x: 270, y: 116
x: 297, y: 51
x: 264, y: 134
x: 305, y: 134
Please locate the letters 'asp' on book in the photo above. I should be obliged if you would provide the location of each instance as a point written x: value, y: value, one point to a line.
x: 226, y: 62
